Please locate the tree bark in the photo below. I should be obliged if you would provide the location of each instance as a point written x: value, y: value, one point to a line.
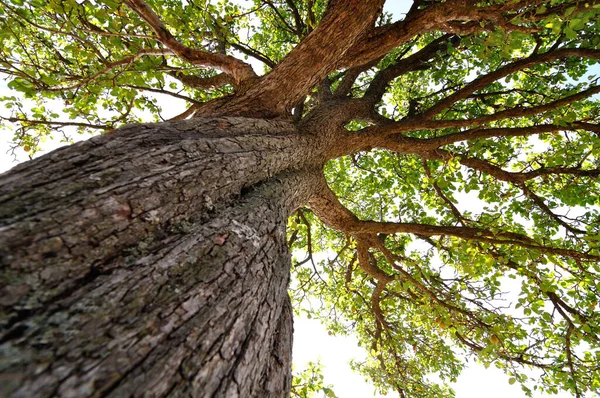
x: 275, y: 94
x: 154, y: 262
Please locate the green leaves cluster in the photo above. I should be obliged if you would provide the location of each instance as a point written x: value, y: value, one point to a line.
x: 309, y: 383
x: 96, y: 63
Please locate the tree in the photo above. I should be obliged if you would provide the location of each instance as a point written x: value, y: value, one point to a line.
x: 153, y: 259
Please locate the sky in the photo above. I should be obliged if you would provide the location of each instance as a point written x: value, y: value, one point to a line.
x: 311, y: 340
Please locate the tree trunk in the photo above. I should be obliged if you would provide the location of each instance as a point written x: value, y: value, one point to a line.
x: 154, y: 261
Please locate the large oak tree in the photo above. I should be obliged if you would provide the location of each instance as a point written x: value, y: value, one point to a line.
x: 153, y: 259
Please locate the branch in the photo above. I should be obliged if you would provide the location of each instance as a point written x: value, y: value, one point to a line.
x: 185, y: 114
x: 110, y: 66
x: 540, y: 204
x: 203, y: 83
x: 575, y: 171
x: 282, y: 19
x: 161, y: 91
x: 517, y: 179
x: 349, y: 77
x: 362, y: 248
x: 411, y: 63
x: 300, y: 27
x: 421, y: 148
x: 240, y: 71
x: 328, y: 208
x: 472, y: 134
x: 418, y: 123
x: 244, y: 49
x: 484, y: 81
x: 452, y: 16
x: 312, y: 60
x: 83, y: 41
x: 55, y: 123
x: 455, y: 212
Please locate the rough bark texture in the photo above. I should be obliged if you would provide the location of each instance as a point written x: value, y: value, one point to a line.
x: 153, y: 262
x: 317, y: 55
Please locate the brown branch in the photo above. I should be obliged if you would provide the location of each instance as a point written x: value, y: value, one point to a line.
x: 245, y: 49
x: 428, y: 292
x: 314, y: 58
x: 382, y: 40
x: 594, y: 127
x: 55, y: 123
x: 418, y: 123
x: 376, y: 303
x: 429, y: 144
x: 416, y: 61
x: 240, y: 71
x: 328, y: 208
x: 519, y: 111
x: 575, y: 171
x: 476, y: 133
x: 110, y: 66
x: 484, y: 81
x: 300, y: 27
x: 203, y: 83
x: 452, y: 16
x: 517, y: 179
x: 362, y: 248
x: 428, y: 148
x: 570, y: 359
x: 542, y: 206
x: 312, y: 21
x: 161, y: 91
x: 282, y: 19
x: 185, y: 114
x: 349, y: 77
x: 487, y: 167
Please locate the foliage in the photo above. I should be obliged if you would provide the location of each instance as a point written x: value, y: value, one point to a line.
x: 484, y: 185
x: 309, y: 382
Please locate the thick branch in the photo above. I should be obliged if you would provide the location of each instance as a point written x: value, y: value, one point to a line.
x: 418, y: 123
x: 311, y: 61
x: 484, y: 81
x: 240, y: 71
x: 349, y: 77
x: 329, y: 209
x: 452, y: 16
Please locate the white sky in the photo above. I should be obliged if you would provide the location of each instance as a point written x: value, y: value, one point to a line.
x: 311, y: 340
